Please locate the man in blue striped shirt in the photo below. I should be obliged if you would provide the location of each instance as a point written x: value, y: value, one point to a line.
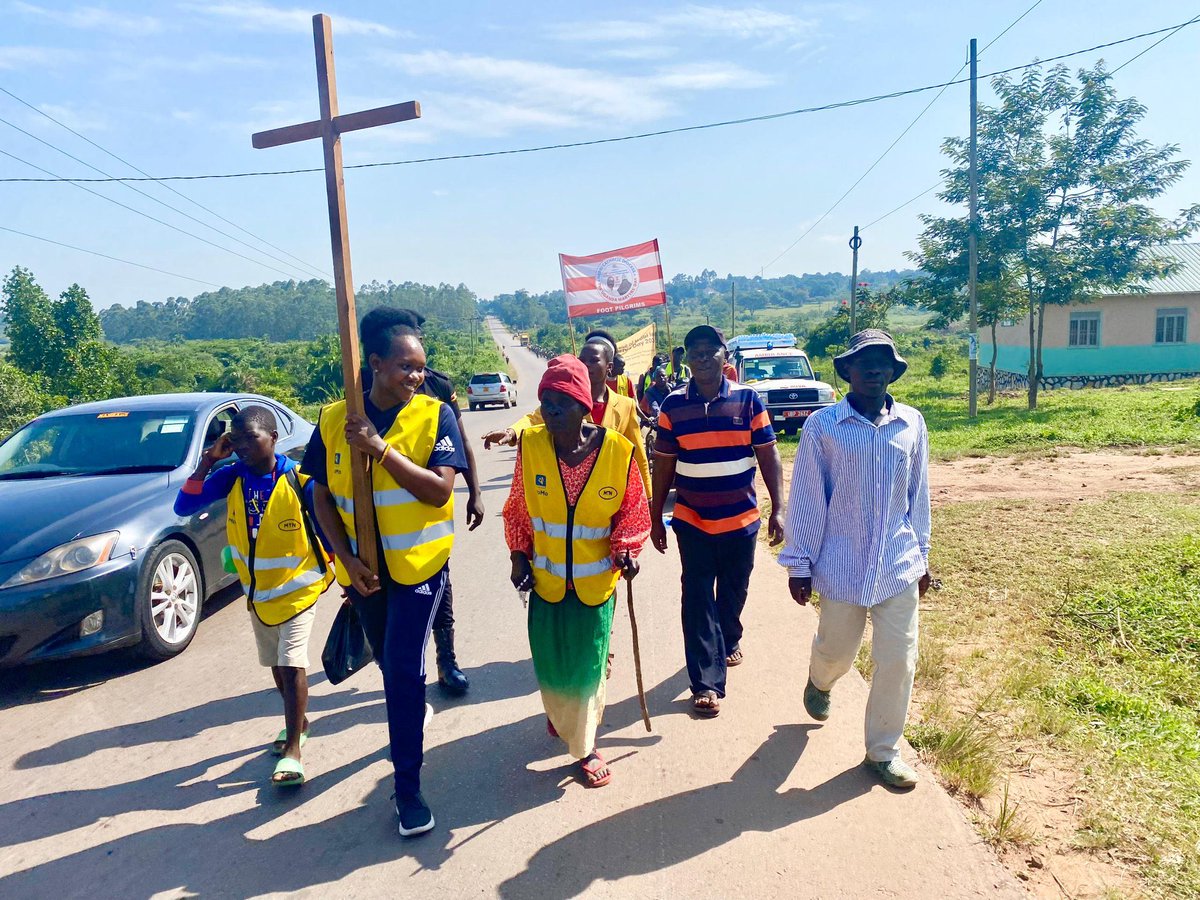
x: 858, y: 531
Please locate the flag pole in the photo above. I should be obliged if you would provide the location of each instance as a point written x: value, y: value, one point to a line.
x: 571, y: 326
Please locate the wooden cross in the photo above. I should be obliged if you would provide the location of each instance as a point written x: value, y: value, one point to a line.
x: 329, y: 129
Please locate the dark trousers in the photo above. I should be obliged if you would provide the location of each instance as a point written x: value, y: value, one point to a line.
x: 716, y: 574
x: 445, y: 610
x: 397, y: 621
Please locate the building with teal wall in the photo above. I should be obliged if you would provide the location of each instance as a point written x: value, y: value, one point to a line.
x: 1114, y: 339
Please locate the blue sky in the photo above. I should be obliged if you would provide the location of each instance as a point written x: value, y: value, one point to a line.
x: 177, y: 88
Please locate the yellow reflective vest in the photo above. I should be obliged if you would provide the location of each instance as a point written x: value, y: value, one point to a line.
x: 571, y: 545
x: 416, y: 537
x: 280, y: 570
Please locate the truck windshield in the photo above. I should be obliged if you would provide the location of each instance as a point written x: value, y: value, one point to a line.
x: 776, y: 367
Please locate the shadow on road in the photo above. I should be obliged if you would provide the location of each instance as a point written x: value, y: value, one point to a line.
x: 40, y: 682
x: 661, y: 834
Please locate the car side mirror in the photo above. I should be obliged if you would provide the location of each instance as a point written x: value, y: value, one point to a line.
x: 817, y: 376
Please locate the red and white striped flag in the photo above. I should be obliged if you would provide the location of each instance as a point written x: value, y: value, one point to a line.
x: 629, y: 278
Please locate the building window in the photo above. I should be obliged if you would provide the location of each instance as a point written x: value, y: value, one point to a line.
x: 1085, y: 330
x: 1170, y: 326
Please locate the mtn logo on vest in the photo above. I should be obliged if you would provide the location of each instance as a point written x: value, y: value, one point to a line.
x: 289, y: 525
x: 445, y: 445
x: 608, y: 493
x: 424, y: 591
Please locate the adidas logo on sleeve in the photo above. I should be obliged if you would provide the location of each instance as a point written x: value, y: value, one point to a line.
x: 424, y: 590
x: 445, y: 445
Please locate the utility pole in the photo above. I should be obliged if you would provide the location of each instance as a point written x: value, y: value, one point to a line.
x: 732, y: 307
x: 855, y: 243
x: 973, y: 247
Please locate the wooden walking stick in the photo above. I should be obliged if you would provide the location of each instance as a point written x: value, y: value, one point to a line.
x: 637, y: 653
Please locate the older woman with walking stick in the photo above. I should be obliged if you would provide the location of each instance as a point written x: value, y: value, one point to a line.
x: 575, y: 520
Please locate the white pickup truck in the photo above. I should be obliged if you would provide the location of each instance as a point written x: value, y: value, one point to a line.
x: 780, y: 371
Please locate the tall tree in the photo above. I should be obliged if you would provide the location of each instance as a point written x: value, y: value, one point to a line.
x: 1064, y: 191
x: 943, y: 287
x: 29, y: 323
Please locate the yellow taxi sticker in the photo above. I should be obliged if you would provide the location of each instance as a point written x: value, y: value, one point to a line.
x: 112, y: 415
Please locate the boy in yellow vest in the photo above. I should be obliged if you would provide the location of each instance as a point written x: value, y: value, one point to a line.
x: 282, y: 567
x: 415, y: 449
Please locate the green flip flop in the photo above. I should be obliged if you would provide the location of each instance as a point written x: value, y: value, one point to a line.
x: 288, y: 766
x: 281, y: 741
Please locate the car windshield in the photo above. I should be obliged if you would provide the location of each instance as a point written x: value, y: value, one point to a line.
x: 98, y: 443
x: 776, y: 367
x: 490, y: 378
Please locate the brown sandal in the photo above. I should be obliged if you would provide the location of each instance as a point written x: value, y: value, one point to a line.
x: 706, y: 704
x: 735, y: 658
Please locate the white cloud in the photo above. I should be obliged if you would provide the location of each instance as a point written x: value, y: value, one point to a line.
x: 251, y: 16
x: 93, y: 18
x: 741, y: 22
x: 78, y: 119
x: 30, y: 57
x: 638, y: 52
x: 506, y: 94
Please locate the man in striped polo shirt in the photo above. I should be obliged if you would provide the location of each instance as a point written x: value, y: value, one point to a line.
x: 710, y: 434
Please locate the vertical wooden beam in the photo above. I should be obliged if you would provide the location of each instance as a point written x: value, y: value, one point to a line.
x: 343, y: 283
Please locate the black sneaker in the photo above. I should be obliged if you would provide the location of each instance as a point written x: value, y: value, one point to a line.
x: 415, y: 817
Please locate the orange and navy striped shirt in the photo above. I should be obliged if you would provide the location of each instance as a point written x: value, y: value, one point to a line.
x: 713, y: 444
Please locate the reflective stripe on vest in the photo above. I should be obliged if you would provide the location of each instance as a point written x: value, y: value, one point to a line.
x: 572, y: 546
x: 581, y: 531
x: 416, y: 536
x: 286, y: 577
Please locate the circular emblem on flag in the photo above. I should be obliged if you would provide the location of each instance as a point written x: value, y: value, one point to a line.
x: 616, y: 279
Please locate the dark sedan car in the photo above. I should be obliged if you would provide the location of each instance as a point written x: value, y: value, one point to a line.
x: 92, y: 555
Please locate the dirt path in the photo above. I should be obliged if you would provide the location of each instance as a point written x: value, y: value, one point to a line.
x: 1071, y: 475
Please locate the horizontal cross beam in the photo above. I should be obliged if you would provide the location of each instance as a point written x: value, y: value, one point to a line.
x: 368, y: 118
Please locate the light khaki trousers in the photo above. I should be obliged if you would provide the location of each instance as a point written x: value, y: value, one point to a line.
x: 893, y: 650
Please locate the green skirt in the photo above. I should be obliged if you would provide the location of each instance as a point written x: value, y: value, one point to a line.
x: 569, y: 643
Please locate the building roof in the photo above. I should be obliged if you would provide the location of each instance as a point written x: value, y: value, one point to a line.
x: 1186, y: 279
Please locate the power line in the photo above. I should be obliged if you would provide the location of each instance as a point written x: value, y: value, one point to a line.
x: 629, y: 137
x: 138, y: 190
x: 1169, y: 34
x: 147, y: 215
x: 195, y: 203
x: 932, y: 187
x: 890, y: 146
x: 106, y: 256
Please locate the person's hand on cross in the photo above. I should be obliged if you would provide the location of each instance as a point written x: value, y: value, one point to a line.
x: 362, y: 436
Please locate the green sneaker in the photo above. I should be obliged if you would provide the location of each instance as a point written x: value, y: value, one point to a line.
x: 816, y: 702
x: 895, y: 772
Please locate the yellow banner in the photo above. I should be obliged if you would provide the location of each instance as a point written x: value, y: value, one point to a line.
x: 638, y: 350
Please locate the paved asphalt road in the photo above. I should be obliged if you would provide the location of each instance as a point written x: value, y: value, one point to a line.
x: 124, y: 780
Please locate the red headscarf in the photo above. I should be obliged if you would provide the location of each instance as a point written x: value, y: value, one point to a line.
x: 569, y: 376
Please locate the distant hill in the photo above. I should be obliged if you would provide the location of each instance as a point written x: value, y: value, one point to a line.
x: 282, y: 311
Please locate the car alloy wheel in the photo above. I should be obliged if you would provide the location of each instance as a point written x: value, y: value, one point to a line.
x: 170, y: 595
x: 174, y: 598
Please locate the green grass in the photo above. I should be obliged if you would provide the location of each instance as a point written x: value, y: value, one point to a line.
x: 1074, y: 629
x: 1152, y: 415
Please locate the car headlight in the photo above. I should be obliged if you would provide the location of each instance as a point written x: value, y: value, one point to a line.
x: 73, y: 556
x: 825, y: 394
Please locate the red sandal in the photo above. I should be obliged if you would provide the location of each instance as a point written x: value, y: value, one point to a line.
x: 591, y: 773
